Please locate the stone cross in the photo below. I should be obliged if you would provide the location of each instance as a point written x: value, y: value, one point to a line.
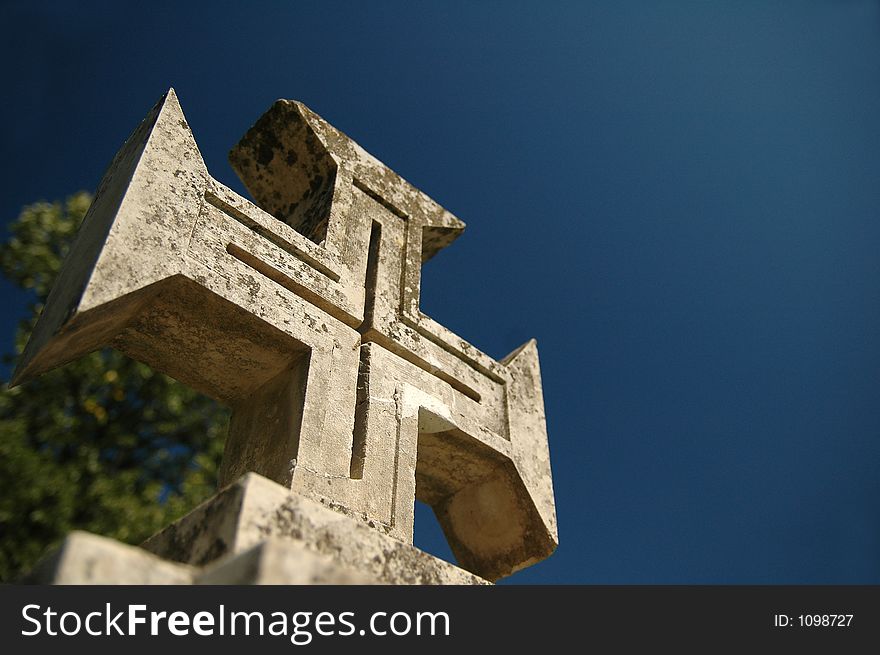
x: 301, y: 312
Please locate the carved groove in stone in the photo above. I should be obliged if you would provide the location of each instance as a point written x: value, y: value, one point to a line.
x: 268, y: 234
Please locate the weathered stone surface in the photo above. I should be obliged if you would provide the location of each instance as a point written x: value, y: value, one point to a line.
x: 85, y: 558
x: 244, y: 515
x: 277, y: 562
x: 303, y: 316
x: 253, y: 532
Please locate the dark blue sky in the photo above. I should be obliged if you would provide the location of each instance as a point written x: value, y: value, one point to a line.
x: 680, y: 200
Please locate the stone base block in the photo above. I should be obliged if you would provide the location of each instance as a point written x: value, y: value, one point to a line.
x: 253, y: 532
x: 254, y: 509
x: 85, y: 558
x: 280, y: 562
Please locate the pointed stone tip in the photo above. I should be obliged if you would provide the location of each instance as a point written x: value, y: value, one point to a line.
x: 530, y: 347
x: 457, y: 224
x: 165, y: 97
x: 171, y: 97
x: 287, y: 102
x: 170, y: 107
x: 306, y: 113
x: 21, y: 374
x: 168, y: 101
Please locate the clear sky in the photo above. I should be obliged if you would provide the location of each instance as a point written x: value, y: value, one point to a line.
x: 679, y: 200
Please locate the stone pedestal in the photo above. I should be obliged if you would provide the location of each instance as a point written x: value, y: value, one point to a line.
x: 253, y: 532
x: 84, y: 558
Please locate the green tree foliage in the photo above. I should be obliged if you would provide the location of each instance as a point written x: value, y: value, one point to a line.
x: 103, y: 444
